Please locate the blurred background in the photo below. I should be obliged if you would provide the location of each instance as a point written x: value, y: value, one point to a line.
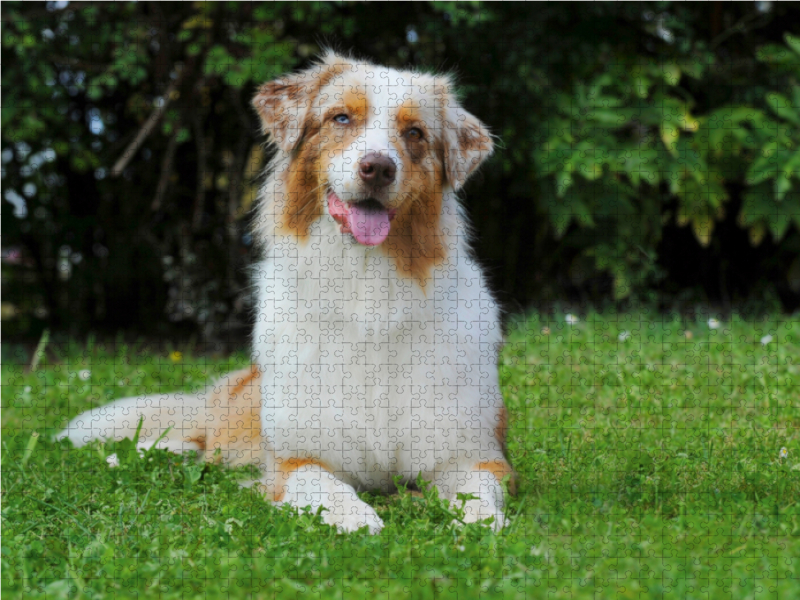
x: 649, y: 153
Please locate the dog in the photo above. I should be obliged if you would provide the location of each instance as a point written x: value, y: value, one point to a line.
x: 376, y: 338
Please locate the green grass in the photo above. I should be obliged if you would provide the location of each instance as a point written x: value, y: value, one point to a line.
x: 649, y: 467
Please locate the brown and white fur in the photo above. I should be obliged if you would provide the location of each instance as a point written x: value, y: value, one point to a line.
x: 376, y: 338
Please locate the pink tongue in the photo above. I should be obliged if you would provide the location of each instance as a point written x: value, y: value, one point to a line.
x: 369, y: 227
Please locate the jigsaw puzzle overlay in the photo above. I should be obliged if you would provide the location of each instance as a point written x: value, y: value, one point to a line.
x: 376, y: 339
x: 386, y: 433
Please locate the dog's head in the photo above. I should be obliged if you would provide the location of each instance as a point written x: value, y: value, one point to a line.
x: 372, y: 147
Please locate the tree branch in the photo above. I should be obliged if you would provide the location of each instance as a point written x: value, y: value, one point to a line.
x: 747, y: 23
x: 146, y: 129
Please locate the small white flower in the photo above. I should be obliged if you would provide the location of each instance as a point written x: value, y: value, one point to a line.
x: 85, y: 374
x: 713, y: 324
x: 112, y: 460
x: 461, y: 548
x: 682, y: 455
x: 766, y: 340
x: 783, y: 453
x: 27, y: 389
x: 571, y: 319
x: 624, y: 336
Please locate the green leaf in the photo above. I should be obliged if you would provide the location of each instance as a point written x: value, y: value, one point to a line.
x: 782, y: 185
x: 672, y: 74
x: 563, y: 183
x: 197, y: 21
x: 694, y: 68
x: 702, y: 198
x: 776, y: 54
x: 782, y: 107
x: 562, y: 210
x: 755, y: 204
x: 590, y: 169
x: 756, y: 234
x: 94, y: 92
x: 622, y: 286
x: 641, y: 86
x: 703, y: 227
x: 765, y: 166
x: 792, y: 164
x: 607, y: 117
x: 778, y: 222
x: 669, y: 135
x: 793, y: 41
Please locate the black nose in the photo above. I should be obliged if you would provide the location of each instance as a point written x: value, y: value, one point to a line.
x: 377, y: 170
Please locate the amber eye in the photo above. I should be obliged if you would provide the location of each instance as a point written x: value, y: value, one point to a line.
x: 343, y: 119
x: 414, y: 134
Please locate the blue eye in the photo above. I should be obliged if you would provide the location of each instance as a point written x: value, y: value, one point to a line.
x: 343, y: 119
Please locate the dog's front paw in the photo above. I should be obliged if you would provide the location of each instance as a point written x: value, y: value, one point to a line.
x: 350, y: 514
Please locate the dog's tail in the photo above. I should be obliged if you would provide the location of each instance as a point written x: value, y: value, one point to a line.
x: 222, y: 421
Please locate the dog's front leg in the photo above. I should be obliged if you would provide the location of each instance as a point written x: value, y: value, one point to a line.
x: 304, y: 482
x: 481, y: 480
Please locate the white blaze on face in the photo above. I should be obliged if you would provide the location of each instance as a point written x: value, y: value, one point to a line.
x: 379, y: 134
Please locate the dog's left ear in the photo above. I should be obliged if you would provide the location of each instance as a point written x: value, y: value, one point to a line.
x: 467, y: 143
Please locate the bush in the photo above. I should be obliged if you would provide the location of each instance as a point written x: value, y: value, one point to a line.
x: 649, y: 151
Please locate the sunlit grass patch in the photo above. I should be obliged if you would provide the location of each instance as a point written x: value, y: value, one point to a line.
x: 651, y: 464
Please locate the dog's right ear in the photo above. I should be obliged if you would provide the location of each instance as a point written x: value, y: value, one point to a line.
x: 284, y: 105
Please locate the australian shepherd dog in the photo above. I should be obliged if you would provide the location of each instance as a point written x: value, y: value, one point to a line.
x: 375, y: 342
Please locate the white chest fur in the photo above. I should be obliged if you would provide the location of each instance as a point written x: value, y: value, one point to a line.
x: 367, y: 371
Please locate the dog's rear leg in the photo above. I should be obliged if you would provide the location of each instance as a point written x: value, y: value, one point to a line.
x: 306, y: 482
x: 482, y: 480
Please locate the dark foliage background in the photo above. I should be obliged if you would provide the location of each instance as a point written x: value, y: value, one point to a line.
x: 649, y: 151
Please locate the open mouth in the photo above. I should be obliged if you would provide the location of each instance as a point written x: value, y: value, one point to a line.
x: 368, y: 221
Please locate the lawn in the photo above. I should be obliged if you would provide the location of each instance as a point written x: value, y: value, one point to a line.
x: 656, y: 458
